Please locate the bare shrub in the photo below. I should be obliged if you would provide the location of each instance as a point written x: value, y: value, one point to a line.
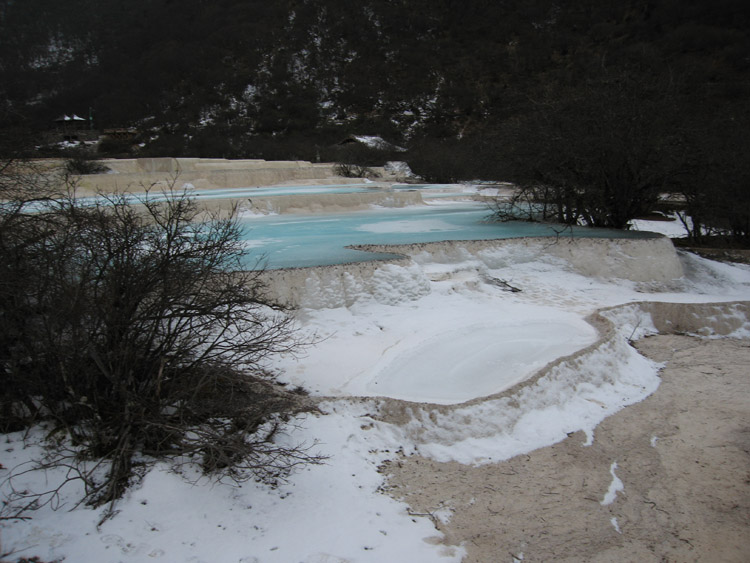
x: 79, y: 165
x: 354, y: 171
x: 133, y: 329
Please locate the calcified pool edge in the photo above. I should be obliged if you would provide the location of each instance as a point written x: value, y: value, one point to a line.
x: 646, y: 260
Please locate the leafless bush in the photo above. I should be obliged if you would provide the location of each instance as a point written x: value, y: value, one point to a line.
x: 80, y: 165
x: 134, y: 329
x: 538, y: 202
x: 354, y: 171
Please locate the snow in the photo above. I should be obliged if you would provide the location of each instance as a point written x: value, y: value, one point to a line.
x: 405, y: 357
x: 327, y: 513
x: 614, y: 487
x: 569, y: 398
x: 375, y: 142
x: 671, y: 227
x: 399, y: 168
x: 615, y: 524
x: 457, y: 338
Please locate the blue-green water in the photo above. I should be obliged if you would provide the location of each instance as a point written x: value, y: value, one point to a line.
x: 287, y: 241
x: 301, y: 240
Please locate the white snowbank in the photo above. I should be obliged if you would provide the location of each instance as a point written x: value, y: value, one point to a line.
x: 671, y: 228
x: 572, y: 396
x: 472, y: 361
x: 446, y: 351
x: 332, y: 512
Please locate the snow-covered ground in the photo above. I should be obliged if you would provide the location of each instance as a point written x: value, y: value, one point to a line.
x: 466, y: 338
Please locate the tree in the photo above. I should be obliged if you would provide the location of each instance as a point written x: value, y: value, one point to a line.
x: 599, y: 152
x: 134, y: 329
x: 715, y: 189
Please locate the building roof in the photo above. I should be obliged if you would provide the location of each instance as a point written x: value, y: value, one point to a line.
x: 74, y: 117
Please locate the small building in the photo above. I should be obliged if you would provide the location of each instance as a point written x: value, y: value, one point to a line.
x: 73, y: 128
